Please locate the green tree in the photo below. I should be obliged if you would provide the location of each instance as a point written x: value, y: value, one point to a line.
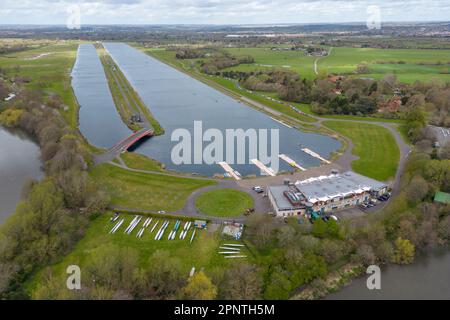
x: 164, y: 276
x: 242, y: 281
x: 200, y: 287
x: 279, y: 286
x: 112, y: 268
x: 329, y: 229
x: 404, y: 251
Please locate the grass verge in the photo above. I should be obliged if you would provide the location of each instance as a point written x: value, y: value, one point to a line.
x: 374, y: 145
x: 224, y: 203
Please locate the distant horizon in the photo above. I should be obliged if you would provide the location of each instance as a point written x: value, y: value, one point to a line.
x: 226, y: 24
x: 220, y: 12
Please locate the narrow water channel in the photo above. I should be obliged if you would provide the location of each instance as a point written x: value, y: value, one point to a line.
x: 19, y: 162
x: 99, y: 120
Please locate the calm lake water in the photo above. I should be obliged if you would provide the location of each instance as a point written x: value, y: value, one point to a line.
x: 99, y: 120
x: 427, y: 278
x: 19, y: 162
x: 176, y: 100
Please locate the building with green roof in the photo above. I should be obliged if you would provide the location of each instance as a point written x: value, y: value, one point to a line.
x: 442, y: 197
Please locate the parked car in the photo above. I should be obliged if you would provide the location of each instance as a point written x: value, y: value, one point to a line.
x: 161, y: 212
x: 258, y: 189
x: 384, y: 197
x: 334, y: 217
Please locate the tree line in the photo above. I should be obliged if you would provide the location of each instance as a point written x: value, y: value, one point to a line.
x: 53, y: 212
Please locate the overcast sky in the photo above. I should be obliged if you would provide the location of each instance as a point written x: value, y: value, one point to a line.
x: 218, y: 11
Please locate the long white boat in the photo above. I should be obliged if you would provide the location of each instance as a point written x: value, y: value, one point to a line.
x: 153, y: 228
x: 135, y: 225
x: 117, y: 226
x: 228, y: 252
x: 131, y: 223
x: 192, y: 237
x: 228, y: 248
x: 139, y: 234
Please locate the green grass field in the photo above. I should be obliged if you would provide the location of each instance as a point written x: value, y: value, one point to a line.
x: 419, y: 64
x: 374, y: 145
x: 138, y: 161
x: 201, y: 254
x: 224, y: 203
x: 345, y: 60
x: 265, y: 58
x: 48, y: 67
x: 142, y: 191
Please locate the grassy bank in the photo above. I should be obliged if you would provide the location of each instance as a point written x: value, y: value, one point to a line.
x: 224, y: 203
x: 127, y: 100
x: 140, y: 162
x: 145, y: 191
x: 374, y: 145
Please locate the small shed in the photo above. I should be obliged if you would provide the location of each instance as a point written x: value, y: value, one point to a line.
x: 442, y: 197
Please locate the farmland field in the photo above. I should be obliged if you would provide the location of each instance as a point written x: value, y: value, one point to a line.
x: 374, y: 145
x: 416, y: 64
x: 265, y: 58
x: 48, y: 69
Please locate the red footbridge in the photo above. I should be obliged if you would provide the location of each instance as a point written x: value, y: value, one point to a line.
x: 129, y: 141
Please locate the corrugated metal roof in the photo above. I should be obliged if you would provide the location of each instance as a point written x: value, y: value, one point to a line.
x: 336, y: 185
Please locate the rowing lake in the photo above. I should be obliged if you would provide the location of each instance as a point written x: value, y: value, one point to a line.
x: 19, y: 162
x: 176, y: 100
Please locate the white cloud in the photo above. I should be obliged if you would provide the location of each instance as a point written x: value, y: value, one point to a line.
x: 218, y: 11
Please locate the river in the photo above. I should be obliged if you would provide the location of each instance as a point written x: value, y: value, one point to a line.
x: 19, y: 162
x: 427, y: 278
x: 177, y: 100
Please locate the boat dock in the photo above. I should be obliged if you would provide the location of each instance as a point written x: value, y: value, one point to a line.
x: 281, y: 122
x: 260, y: 165
x: 315, y: 155
x: 291, y: 162
x: 229, y: 170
